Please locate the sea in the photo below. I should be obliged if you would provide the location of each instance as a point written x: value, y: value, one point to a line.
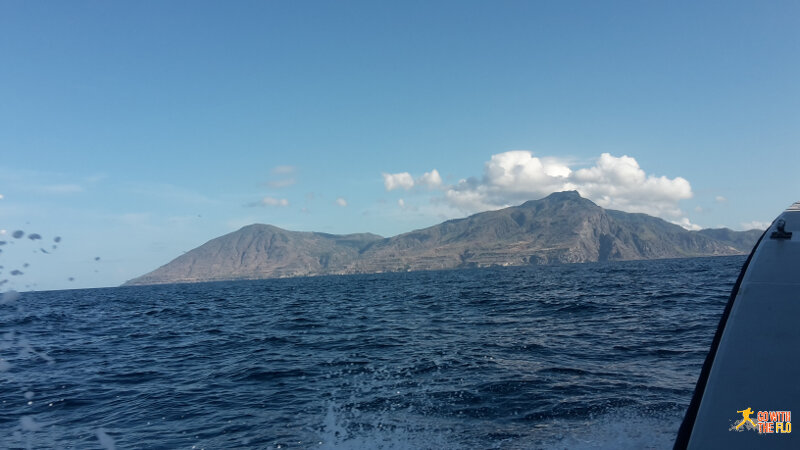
x: 596, y: 355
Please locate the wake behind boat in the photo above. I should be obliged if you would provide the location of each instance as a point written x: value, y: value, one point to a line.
x: 748, y: 387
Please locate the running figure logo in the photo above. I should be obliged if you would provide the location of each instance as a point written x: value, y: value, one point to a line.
x: 764, y: 422
x: 746, y: 418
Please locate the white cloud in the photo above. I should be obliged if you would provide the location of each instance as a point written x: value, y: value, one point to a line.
x: 470, y: 196
x: 720, y: 199
x: 283, y: 170
x: 520, y: 171
x: 755, y: 225
x: 613, y: 182
x: 430, y: 179
x: 286, y: 182
x: 686, y: 223
x: 270, y: 201
x: 401, y: 203
x: 341, y: 202
x: 284, y: 178
x: 619, y: 183
x: 510, y: 178
x: 402, y: 180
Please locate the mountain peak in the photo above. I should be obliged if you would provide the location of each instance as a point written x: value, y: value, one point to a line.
x: 559, y: 198
x: 259, y: 226
x: 564, y: 195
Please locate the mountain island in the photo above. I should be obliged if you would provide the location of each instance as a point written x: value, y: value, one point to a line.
x: 560, y: 228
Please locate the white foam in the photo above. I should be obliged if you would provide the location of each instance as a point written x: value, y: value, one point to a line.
x: 621, y: 429
x: 345, y: 429
x: 106, y: 441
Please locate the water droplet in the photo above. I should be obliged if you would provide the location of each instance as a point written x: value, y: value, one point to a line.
x: 34, y: 236
x: 9, y: 296
x: 18, y: 234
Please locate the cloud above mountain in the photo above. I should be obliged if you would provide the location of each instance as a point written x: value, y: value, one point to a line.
x: 269, y: 201
x: 431, y: 180
x: 282, y: 176
x: 510, y: 178
x: 402, y: 180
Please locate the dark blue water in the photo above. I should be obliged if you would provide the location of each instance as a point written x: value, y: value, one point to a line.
x: 571, y: 356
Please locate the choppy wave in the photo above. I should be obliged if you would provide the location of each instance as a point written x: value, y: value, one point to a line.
x: 573, y: 356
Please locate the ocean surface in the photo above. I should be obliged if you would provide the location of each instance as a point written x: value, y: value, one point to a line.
x: 601, y: 355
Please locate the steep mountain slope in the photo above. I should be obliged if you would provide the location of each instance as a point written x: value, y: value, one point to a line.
x: 261, y: 251
x: 743, y: 240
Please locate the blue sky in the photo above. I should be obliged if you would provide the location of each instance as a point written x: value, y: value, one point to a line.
x: 137, y: 131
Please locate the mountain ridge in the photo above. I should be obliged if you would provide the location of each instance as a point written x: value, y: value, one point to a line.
x: 560, y: 228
